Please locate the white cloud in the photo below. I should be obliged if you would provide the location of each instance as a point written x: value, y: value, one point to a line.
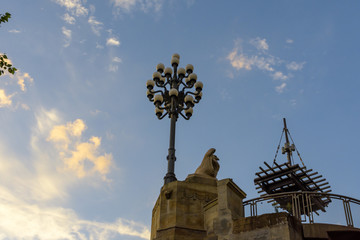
x: 95, y: 112
x: 75, y: 7
x: 280, y: 76
x: 149, y: 5
x: 69, y: 19
x: 261, y: 59
x: 95, y: 25
x: 259, y: 43
x: 280, y: 88
x: 117, y: 59
x: 124, y: 4
x: 113, y: 68
x: 32, y: 190
x: 40, y: 185
x: 5, y: 100
x: 239, y: 60
x: 77, y: 154
x: 45, y: 120
x: 25, y: 106
x: 143, y: 5
x: 98, y: 46
x: 14, y: 31
x: 293, y: 102
x: 67, y: 34
x: 289, y: 41
x: 294, y: 66
x: 112, y: 42
x: 20, y: 219
x: 22, y: 78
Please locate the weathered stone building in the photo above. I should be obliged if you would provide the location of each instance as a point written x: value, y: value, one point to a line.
x: 204, y: 208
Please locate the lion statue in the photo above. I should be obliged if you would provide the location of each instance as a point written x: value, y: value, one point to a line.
x: 209, y: 166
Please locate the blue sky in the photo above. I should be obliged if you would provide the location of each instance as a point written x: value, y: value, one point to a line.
x: 82, y: 154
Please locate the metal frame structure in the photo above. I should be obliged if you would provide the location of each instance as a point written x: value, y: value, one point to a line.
x: 302, y: 204
x: 174, y: 95
x: 289, y: 178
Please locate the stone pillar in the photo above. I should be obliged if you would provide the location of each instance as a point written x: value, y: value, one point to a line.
x: 179, y: 210
x: 221, y: 212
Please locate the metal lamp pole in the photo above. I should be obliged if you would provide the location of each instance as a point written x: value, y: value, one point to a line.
x: 175, y: 95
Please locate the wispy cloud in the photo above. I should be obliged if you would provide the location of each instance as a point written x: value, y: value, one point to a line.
x: 112, y: 42
x: 280, y: 88
x: 14, y: 31
x: 294, y: 66
x: 293, y: 102
x: 143, y: 5
x: 280, y: 76
x: 289, y: 41
x: 30, y: 192
x: 99, y: 46
x: 69, y: 19
x: 124, y: 4
x: 261, y: 59
x: 95, y: 25
x: 113, y: 68
x: 75, y: 7
x: 239, y: 60
x: 259, y: 43
x: 117, y: 59
x: 20, y: 219
x: 5, y: 100
x: 8, y: 93
x: 67, y: 34
x: 24, y: 106
x: 22, y: 78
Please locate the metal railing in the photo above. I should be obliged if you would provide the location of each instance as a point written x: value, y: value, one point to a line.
x: 303, y: 204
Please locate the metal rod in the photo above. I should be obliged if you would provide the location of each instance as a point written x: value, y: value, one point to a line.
x: 303, y: 207
x: 325, y: 183
x: 346, y: 214
x: 308, y: 207
x: 350, y: 215
x: 170, y: 175
x: 311, y: 211
x: 287, y: 142
x: 321, y: 180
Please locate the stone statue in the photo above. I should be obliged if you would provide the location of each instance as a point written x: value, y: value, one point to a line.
x: 209, y: 166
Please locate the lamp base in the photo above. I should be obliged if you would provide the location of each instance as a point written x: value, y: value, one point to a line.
x: 169, y: 177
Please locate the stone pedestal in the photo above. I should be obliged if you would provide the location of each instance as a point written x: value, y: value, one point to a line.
x: 178, y: 213
x: 221, y: 213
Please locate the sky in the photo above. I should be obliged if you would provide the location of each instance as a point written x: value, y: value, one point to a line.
x: 82, y: 154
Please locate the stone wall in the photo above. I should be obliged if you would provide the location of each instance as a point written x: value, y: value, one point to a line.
x: 202, y: 208
x: 179, y: 211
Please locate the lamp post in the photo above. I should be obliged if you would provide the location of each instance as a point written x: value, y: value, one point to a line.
x: 175, y: 94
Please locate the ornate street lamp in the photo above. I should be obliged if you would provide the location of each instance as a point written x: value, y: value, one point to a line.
x: 175, y: 95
